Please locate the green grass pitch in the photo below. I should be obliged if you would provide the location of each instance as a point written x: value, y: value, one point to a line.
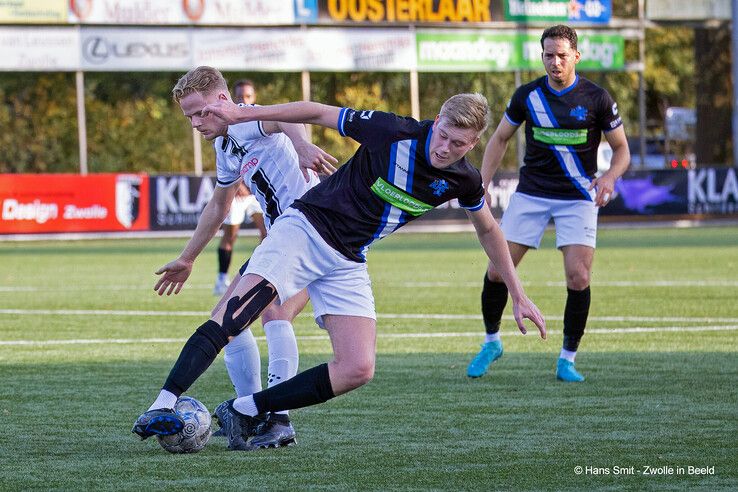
x: 85, y: 345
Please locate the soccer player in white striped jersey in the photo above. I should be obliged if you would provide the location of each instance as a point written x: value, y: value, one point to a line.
x: 264, y: 156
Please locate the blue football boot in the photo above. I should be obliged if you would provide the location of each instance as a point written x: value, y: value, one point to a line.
x: 565, y: 371
x: 491, y: 351
x: 160, y: 422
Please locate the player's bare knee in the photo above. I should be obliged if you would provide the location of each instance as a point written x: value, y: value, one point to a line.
x: 493, y: 276
x: 359, y: 373
x: 577, y: 280
x: 271, y: 313
x: 275, y: 312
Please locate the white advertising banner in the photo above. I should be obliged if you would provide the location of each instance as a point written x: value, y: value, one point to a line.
x: 39, y: 48
x: 179, y: 12
x: 360, y: 49
x: 249, y: 49
x: 313, y: 49
x: 145, y: 49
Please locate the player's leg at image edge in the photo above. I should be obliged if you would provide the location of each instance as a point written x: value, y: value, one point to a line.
x: 494, y: 299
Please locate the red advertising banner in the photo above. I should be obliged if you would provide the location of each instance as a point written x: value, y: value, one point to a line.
x: 38, y: 203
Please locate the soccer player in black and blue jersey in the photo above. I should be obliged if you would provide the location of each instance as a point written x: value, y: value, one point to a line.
x: 565, y: 116
x: 402, y: 169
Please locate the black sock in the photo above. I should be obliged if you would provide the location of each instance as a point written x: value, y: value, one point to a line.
x: 575, y: 317
x: 196, y: 356
x: 307, y: 388
x: 494, y: 299
x: 224, y: 260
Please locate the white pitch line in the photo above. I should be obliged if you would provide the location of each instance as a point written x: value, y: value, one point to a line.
x: 77, y: 288
x: 420, y: 316
x: 604, y: 283
x: 593, y: 331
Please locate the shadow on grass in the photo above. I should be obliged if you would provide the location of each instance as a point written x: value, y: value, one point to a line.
x: 421, y: 424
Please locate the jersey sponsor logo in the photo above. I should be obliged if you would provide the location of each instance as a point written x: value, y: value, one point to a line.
x: 580, y: 113
x: 365, y: 115
x: 615, y: 108
x: 560, y: 136
x: 398, y: 198
x: 439, y: 187
x: 248, y: 166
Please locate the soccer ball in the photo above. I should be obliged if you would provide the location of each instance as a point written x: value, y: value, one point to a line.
x: 196, y: 432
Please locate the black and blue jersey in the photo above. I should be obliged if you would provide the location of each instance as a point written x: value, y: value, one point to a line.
x: 562, y: 132
x: 387, y: 183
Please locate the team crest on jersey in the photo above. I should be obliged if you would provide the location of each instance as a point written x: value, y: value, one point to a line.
x: 439, y: 187
x: 580, y: 113
x: 231, y: 146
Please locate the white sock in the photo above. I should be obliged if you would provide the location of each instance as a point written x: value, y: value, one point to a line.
x: 222, y: 277
x: 243, y: 363
x: 165, y: 399
x: 246, y: 405
x: 568, y: 355
x: 283, y: 355
x: 492, y: 337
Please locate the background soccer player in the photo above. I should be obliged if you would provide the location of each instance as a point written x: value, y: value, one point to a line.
x: 402, y: 169
x: 564, y: 117
x: 243, y: 206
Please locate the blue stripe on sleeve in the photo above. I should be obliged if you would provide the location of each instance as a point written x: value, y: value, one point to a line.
x: 341, y: 120
x: 512, y: 122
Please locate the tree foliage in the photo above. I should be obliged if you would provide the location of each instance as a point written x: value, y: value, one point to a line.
x: 133, y: 124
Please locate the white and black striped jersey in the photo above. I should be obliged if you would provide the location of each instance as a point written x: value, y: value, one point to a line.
x: 562, y: 132
x: 388, y: 182
x: 267, y: 164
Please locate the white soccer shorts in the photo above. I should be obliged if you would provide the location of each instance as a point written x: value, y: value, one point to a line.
x: 526, y: 217
x: 294, y: 256
x: 242, y: 209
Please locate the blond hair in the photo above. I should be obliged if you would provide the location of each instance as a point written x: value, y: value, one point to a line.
x: 204, y: 80
x: 467, y: 111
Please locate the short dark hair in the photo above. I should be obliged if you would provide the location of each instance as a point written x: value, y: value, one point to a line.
x: 241, y: 82
x: 563, y: 32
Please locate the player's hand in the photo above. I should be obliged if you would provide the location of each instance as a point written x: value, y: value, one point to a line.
x: 605, y: 189
x: 312, y: 157
x: 524, y: 308
x: 228, y: 112
x: 173, y: 276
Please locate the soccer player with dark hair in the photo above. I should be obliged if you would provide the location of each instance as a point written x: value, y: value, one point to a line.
x: 402, y: 169
x: 564, y: 116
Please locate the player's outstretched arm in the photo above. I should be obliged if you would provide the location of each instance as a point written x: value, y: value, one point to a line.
x: 494, y: 244
x: 175, y: 273
x: 310, y: 156
x: 294, y: 112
